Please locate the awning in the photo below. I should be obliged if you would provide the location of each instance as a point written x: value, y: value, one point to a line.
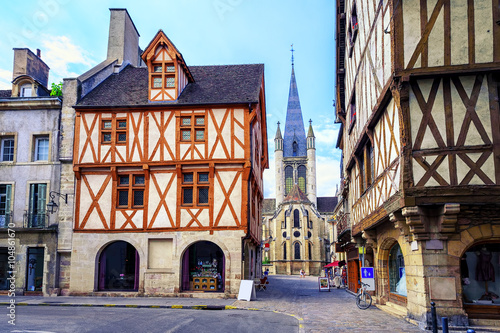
x: 332, y: 264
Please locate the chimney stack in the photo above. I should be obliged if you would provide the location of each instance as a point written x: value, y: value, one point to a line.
x: 123, y: 41
x: 27, y: 63
x: 38, y: 53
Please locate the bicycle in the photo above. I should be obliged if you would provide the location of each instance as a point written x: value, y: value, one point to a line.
x: 363, y: 299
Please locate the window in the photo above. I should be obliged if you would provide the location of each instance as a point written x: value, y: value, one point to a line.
x: 170, y: 82
x: 36, y: 216
x: 352, y: 113
x: 157, y: 82
x: 130, y: 191
x: 295, y: 147
x: 352, y: 30
x: 362, y: 177
x: 288, y: 179
x: 5, y: 204
x: 302, y: 178
x: 114, y: 129
x: 195, y: 188
x: 158, y: 68
x: 26, y: 90
x: 284, y: 251
x: 192, y: 127
x: 41, y: 148
x: 310, y: 251
x: 370, y: 168
x: 297, y: 251
x: 7, y: 149
x: 397, y: 276
x: 296, y: 218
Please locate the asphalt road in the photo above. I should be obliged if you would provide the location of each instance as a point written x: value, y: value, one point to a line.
x: 43, y: 319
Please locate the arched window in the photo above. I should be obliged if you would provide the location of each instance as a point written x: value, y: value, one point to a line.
x: 295, y: 147
x: 296, y: 219
x: 284, y: 251
x: 397, y: 276
x: 310, y: 251
x: 297, y: 251
x: 288, y: 179
x: 302, y: 178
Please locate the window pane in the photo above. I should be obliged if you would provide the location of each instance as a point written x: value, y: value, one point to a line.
x: 106, y: 137
x: 158, y: 69
x: 139, y: 198
x: 170, y: 82
x: 186, y: 135
x: 123, y: 180
x: 203, y: 177
x: 7, y: 149
x: 122, y: 124
x: 187, y: 196
x: 106, y: 124
x: 122, y: 137
x: 200, y: 121
x: 123, y: 198
x: 170, y: 68
x: 186, y: 122
x: 139, y: 180
x: 157, y: 82
x: 188, y: 178
x: 42, y: 146
x: 203, y: 195
x: 200, y: 135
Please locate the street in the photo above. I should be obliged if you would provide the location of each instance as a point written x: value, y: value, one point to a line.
x: 108, y: 320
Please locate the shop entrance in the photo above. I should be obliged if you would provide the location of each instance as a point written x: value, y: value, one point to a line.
x: 34, y: 274
x: 119, y: 267
x: 203, y: 267
x: 397, y: 275
x: 480, y: 275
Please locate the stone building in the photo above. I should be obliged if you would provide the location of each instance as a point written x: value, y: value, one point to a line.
x: 417, y: 97
x: 30, y: 171
x: 295, y: 234
x: 168, y: 160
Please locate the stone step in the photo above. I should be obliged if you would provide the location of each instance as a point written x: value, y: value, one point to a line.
x: 393, y: 309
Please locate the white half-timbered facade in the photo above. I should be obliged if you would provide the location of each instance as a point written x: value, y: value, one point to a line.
x: 417, y: 97
x: 169, y: 160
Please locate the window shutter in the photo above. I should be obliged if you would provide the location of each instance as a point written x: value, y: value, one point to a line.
x: 7, y: 202
x: 42, y: 189
x: 32, y: 199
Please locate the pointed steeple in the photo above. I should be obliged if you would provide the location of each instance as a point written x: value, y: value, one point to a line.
x: 310, y: 133
x: 278, y: 140
x: 294, y: 126
x: 278, y: 132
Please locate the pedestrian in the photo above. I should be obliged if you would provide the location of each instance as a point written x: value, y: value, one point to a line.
x: 302, y: 273
x: 266, y: 272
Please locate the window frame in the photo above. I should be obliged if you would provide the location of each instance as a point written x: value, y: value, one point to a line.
x: 131, y: 187
x: 3, y: 139
x: 114, y: 132
x: 36, y: 146
x: 193, y: 128
x: 196, y: 186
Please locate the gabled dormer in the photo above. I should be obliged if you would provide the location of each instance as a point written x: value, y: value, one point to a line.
x: 168, y: 73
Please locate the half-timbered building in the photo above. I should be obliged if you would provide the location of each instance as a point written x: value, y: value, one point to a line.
x: 168, y: 160
x: 418, y: 100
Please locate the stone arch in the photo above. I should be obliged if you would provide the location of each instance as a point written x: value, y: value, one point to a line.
x: 471, y: 236
x: 117, y: 266
x: 382, y: 267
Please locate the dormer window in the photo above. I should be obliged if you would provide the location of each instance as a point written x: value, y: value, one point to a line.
x: 26, y: 90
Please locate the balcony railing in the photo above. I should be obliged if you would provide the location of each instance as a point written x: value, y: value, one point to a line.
x: 36, y: 220
x: 343, y: 224
x: 5, y: 219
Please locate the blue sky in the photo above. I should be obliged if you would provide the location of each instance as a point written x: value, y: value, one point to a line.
x: 73, y: 37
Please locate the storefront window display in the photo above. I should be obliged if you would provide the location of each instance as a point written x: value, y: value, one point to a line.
x: 480, y: 272
x: 204, y: 264
x: 397, y: 274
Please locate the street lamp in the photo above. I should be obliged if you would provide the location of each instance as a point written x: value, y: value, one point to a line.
x: 52, y: 206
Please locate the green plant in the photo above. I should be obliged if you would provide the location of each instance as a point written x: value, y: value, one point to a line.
x: 266, y: 261
x: 56, y: 89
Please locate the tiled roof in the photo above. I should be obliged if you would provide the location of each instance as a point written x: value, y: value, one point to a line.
x: 268, y: 206
x: 5, y: 93
x: 213, y: 85
x: 294, y: 125
x: 326, y: 204
x: 296, y: 195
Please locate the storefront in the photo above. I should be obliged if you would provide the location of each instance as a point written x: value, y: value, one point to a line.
x: 397, y: 275
x: 119, y: 267
x: 353, y: 268
x: 34, y: 272
x: 203, y: 267
x: 480, y: 273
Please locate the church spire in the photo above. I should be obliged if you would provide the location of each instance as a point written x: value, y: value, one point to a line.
x: 294, y: 125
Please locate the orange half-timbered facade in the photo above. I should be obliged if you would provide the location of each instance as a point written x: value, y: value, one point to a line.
x: 169, y: 162
x: 418, y: 100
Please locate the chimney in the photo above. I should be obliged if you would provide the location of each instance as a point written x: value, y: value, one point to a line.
x: 27, y: 63
x: 38, y: 53
x: 123, y: 41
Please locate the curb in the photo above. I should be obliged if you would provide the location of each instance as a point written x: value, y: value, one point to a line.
x: 189, y: 307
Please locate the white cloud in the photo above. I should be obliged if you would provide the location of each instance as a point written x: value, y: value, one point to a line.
x: 5, y: 79
x: 61, y: 54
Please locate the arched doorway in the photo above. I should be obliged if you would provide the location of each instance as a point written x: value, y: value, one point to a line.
x: 119, y: 267
x: 479, y: 270
x: 203, y: 267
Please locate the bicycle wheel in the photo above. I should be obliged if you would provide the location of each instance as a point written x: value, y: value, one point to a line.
x: 363, y: 301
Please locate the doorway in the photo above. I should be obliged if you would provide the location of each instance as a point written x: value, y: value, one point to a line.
x: 119, y: 267
x: 203, y: 267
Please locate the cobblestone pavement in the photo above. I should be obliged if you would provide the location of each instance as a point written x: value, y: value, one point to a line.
x: 324, y: 311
